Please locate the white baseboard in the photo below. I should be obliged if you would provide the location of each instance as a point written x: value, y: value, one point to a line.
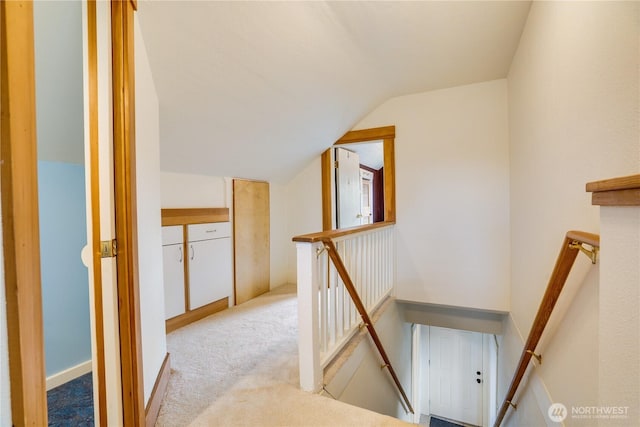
x: 68, y: 374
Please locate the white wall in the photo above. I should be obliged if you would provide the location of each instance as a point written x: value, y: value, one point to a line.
x: 181, y: 190
x: 58, y: 74
x: 573, y: 118
x: 619, y: 329
x: 452, y: 191
x: 361, y: 382
x: 154, y: 345
x: 303, y: 210
x: 280, y: 237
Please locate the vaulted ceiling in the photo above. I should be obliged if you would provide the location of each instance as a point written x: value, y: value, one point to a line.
x: 258, y: 89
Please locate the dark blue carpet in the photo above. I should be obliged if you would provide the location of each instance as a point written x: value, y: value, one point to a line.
x: 71, y: 404
x: 437, y: 422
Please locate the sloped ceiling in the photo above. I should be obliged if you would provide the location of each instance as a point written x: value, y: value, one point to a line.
x: 258, y: 89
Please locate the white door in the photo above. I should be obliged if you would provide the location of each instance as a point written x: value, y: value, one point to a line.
x: 455, y: 374
x: 348, y: 188
x: 366, y: 197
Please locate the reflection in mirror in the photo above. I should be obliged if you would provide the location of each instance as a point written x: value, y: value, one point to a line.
x: 358, y: 179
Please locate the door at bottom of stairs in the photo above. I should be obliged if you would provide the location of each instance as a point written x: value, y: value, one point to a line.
x: 456, y: 374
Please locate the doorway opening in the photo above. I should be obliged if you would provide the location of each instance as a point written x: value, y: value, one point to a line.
x: 58, y: 48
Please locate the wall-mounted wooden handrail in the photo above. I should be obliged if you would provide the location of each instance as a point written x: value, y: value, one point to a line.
x: 348, y: 284
x: 570, y: 247
x: 621, y: 191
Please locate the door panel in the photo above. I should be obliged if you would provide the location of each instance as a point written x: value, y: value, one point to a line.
x: 348, y: 188
x: 209, y: 271
x: 455, y: 361
x: 251, y: 239
x: 173, y: 275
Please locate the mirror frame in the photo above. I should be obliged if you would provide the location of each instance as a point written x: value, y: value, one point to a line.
x: 387, y: 134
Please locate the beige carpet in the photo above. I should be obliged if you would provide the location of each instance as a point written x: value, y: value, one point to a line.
x: 240, y: 368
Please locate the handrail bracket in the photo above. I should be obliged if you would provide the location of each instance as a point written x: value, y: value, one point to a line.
x: 591, y: 253
x: 538, y: 357
x: 319, y: 251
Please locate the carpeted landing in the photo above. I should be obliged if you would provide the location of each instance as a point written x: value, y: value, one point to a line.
x: 240, y: 368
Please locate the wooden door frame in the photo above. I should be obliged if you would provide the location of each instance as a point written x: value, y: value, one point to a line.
x: 20, y: 223
x: 124, y: 159
x: 387, y: 135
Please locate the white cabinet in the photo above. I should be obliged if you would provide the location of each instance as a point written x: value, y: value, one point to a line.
x: 173, y: 268
x: 210, y: 277
x: 198, y: 264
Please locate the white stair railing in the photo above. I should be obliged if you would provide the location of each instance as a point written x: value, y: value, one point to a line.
x: 327, y: 315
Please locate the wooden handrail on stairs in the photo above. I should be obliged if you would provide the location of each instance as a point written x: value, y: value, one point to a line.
x: 348, y: 284
x: 573, y: 243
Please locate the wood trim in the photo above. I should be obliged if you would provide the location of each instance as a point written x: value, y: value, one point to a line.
x: 613, y: 184
x: 561, y: 271
x: 157, y: 394
x: 194, y: 216
x: 327, y: 210
x: 387, y: 135
x: 197, y: 314
x: 20, y: 226
x: 125, y: 212
x: 616, y: 198
x: 621, y: 191
x: 94, y: 150
x: 386, y: 132
x: 389, y: 180
x: 332, y: 234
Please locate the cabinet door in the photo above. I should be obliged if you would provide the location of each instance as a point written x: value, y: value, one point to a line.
x: 209, y: 271
x: 173, y: 267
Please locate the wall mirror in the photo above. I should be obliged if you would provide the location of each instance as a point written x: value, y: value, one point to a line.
x: 358, y: 179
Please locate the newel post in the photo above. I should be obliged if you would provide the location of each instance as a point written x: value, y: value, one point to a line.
x: 308, y: 327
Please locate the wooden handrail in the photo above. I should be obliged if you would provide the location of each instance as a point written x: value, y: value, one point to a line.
x: 570, y: 247
x: 332, y: 234
x: 348, y: 283
x: 622, y: 191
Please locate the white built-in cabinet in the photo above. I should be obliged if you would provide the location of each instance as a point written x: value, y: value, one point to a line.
x: 197, y: 264
x: 209, y: 263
